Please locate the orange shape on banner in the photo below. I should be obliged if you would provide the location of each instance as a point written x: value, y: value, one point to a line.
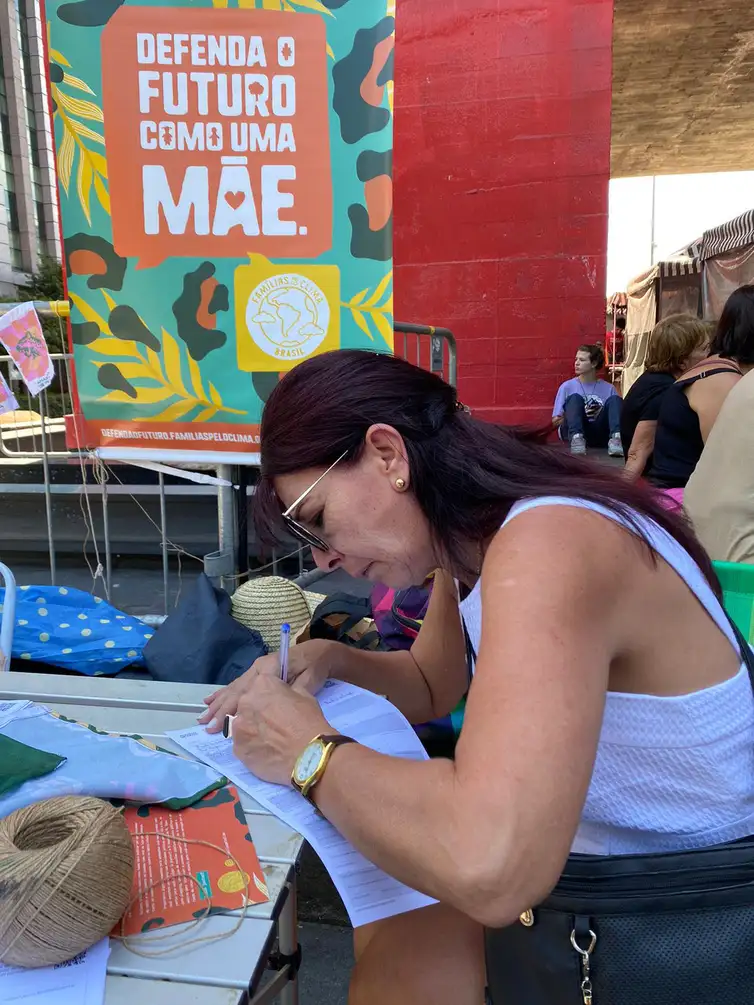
x: 217, y: 135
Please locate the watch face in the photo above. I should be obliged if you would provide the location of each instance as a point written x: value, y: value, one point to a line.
x: 308, y: 762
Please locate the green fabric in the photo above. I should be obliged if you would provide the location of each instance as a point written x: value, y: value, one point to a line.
x: 19, y: 763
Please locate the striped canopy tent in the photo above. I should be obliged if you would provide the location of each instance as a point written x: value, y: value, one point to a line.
x: 727, y: 253
x: 728, y: 236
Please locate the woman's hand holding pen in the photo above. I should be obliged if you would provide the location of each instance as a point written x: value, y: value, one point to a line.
x: 309, y: 666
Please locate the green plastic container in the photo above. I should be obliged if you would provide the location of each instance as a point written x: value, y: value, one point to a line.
x: 737, y: 581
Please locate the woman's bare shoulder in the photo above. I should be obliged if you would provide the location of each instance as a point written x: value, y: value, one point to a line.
x: 562, y: 539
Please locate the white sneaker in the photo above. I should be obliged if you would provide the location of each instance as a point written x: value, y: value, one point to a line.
x: 615, y: 446
x: 578, y: 445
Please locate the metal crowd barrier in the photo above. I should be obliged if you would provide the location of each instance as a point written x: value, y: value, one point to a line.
x: 164, y: 509
x: 429, y: 347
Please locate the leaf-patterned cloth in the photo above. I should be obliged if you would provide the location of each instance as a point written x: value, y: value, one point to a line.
x: 102, y: 764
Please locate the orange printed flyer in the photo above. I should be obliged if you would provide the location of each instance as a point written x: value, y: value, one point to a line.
x: 166, y: 894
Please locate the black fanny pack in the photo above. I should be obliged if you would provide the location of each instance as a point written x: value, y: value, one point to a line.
x: 662, y: 929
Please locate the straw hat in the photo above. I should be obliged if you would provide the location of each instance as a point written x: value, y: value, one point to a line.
x: 268, y: 602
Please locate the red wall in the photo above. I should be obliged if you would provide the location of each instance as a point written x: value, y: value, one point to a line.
x: 502, y: 161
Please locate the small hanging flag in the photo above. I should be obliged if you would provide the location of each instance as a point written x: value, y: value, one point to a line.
x: 8, y: 401
x: 21, y: 334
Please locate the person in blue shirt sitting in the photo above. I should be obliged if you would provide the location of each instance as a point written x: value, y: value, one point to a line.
x: 587, y: 410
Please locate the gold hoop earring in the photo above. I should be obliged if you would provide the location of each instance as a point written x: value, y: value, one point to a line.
x: 400, y: 484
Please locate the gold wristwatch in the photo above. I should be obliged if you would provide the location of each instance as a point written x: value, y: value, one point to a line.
x: 312, y: 761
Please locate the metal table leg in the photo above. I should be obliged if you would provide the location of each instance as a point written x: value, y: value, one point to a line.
x: 288, y: 939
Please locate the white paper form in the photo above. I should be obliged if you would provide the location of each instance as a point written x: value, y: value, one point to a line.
x: 80, y: 981
x: 368, y: 893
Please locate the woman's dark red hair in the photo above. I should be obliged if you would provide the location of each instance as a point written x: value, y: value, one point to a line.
x: 466, y: 474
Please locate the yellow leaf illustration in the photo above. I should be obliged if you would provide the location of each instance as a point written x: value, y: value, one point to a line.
x: 66, y: 153
x: 220, y: 3
x: 272, y: 5
x: 384, y: 327
x: 102, y: 194
x: 171, y: 356
x: 85, y: 133
x: 379, y: 292
x: 196, y: 377
x: 90, y: 314
x: 151, y: 395
x: 175, y: 411
x: 84, y: 185
x: 355, y: 301
x: 137, y: 361
x: 92, y: 168
x: 99, y: 163
x: 78, y: 107
x: 330, y: 53
x: 154, y: 363
x: 119, y: 396
x: 58, y: 57
x: 111, y: 346
x: 361, y: 322
x: 80, y: 85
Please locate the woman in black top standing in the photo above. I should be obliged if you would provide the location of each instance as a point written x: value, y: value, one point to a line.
x: 676, y: 344
x: 690, y: 407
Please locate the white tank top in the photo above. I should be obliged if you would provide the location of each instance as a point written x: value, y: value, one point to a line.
x: 671, y: 773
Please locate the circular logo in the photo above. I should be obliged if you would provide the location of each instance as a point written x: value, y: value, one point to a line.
x: 288, y: 316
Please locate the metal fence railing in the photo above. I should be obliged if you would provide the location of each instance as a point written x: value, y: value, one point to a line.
x: 73, y: 503
x: 429, y: 347
x: 38, y: 427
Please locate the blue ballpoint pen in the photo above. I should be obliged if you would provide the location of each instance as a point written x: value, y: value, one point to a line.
x: 285, y: 641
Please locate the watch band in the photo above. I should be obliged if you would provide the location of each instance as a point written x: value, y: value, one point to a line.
x: 336, y: 740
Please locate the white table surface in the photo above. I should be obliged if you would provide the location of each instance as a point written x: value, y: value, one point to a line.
x: 216, y: 972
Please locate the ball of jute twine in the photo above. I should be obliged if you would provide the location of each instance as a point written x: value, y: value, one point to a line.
x: 66, y: 872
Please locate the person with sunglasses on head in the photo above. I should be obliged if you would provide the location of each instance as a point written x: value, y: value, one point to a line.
x: 588, y: 743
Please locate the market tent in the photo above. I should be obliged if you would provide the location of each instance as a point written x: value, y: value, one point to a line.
x: 727, y: 254
x: 670, y: 287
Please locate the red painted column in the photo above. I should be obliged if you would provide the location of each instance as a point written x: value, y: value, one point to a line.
x: 502, y: 162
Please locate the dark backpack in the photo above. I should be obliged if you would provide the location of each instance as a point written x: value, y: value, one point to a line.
x: 398, y: 614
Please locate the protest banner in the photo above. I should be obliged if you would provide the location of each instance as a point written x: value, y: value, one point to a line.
x: 225, y: 172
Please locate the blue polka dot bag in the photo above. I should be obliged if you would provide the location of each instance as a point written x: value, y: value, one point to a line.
x: 75, y: 631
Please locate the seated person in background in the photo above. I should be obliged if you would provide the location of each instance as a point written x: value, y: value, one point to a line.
x: 677, y: 343
x: 719, y: 497
x: 587, y: 410
x: 690, y: 407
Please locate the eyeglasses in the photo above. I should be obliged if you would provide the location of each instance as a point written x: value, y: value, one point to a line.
x: 298, y: 530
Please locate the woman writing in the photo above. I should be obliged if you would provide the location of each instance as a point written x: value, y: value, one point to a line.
x: 676, y: 344
x: 582, y: 733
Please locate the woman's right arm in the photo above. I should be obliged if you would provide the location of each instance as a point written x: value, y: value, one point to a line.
x: 642, y: 445
x: 425, y: 683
